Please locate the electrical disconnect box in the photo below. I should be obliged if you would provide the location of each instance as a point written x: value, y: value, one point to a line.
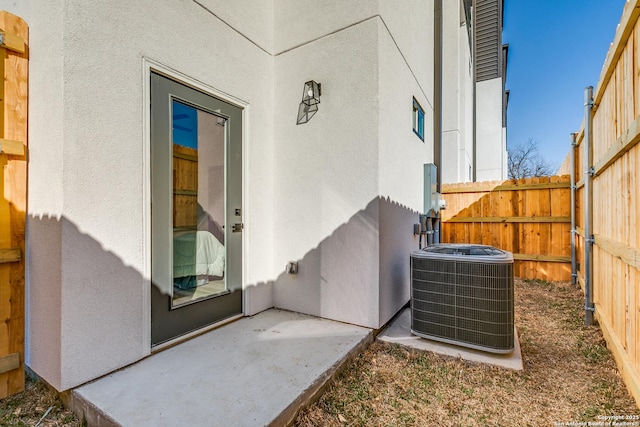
x: 432, y: 199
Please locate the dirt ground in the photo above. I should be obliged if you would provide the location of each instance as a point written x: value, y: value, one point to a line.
x: 36, y: 406
x: 569, y: 377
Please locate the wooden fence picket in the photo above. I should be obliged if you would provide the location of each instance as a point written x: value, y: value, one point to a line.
x: 13, y: 187
x: 529, y: 217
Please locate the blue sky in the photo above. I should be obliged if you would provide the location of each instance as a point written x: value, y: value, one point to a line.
x: 185, y: 125
x: 556, y: 49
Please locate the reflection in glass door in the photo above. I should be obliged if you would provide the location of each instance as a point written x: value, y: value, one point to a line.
x: 196, y: 190
x: 198, y: 204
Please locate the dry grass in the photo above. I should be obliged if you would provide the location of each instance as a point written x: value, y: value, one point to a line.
x: 29, y: 408
x: 569, y: 375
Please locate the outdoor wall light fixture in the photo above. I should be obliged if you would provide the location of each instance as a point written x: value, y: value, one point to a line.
x: 311, y: 94
x: 310, y: 100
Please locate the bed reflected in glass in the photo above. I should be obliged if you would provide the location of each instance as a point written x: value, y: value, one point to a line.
x: 198, y: 204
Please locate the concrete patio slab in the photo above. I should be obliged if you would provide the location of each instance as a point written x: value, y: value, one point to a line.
x: 399, y: 332
x: 253, y: 372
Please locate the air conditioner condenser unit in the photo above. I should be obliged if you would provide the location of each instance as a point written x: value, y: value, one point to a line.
x: 463, y: 294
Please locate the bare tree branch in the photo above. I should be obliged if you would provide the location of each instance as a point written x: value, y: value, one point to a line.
x: 525, y: 161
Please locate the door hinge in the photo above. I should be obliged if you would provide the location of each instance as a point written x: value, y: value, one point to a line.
x: 238, y: 227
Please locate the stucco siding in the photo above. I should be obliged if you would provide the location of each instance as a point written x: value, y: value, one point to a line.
x: 45, y: 201
x: 402, y: 155
x: 93, y: 133
x: 457, y: 104
x: 325, y: 176
x: 466, y: 86
x: 490, y: 150
x: 338, y: 194
x: 302, y: 21
x: 410, y: 25
x: 253, y: 19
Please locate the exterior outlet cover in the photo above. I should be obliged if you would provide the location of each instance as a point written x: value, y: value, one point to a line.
x: 292, y: 267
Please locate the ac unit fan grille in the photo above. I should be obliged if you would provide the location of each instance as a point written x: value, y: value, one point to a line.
x: 470, y: 303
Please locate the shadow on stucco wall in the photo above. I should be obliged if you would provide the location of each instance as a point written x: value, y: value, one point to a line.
x: 360, y: 273
x: 88, y: 308
x: 85, y: 307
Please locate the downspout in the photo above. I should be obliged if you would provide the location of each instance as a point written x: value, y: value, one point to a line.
x: 572, y: 157
x: 589, y: 308
x: 473, y: 79
x: 437, y: 109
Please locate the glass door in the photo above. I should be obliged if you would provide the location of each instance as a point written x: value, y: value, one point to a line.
x: 196, y: 212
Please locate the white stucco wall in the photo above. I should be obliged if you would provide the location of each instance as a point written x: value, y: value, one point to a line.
x: 338, y: 194
x: 410, y: 23
x: 451, y: 93
x: 348, y: 184
x: 490, y: 150
x: 402, y: 155
x: 457, y: 97
x: 45, y: 202
x: 302, y: 21
x: 250, y: 18
x: 505, y: 155
x: 87, y: 208
x: 466, y: 83
x: 451, y: 90
x: 325, y: 178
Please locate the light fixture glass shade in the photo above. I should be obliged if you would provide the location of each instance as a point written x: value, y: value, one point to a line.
x: 305, y: 112
x: 311, y: 93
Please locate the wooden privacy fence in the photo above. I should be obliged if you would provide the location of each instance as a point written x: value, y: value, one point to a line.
x: 615, y: 210
x: 528, y: 217
x: 13, y: 185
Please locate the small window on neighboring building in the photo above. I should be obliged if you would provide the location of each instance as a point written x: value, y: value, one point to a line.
x: 418, y: 119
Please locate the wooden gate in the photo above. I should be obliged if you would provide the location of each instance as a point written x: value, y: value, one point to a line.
x: 13, y: 187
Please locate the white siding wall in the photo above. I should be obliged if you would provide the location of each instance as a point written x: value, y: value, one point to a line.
x: 326, y: 179
x: 452, y: 93
x: 490, y: 147
x: 339, y: 193
x: 301, y: 21
x: 253, y: 19
x: 466, y: 83
x: 457, y: 97
x: 45, y: 204
x: 88, y: 305
x: 344, y: 180
x: 405, y: 72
